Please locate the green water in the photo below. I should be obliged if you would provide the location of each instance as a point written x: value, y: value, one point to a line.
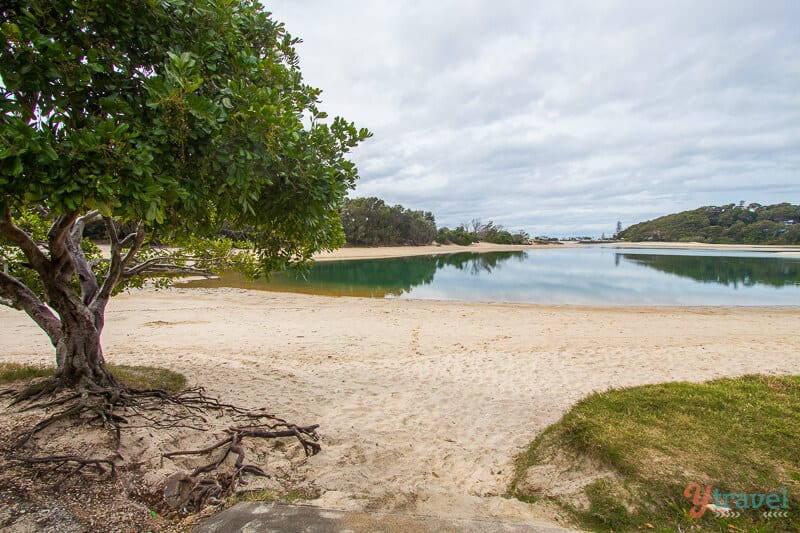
x: 585, y: 276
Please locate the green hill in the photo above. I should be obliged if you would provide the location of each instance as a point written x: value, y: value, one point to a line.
x: 727, y: 224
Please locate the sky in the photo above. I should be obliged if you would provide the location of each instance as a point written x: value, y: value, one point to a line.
x: 560, y: 117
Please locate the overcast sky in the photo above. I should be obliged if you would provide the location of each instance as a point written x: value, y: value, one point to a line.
x: 561, y: 117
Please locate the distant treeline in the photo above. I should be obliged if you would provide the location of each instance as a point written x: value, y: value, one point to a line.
x: 727, y: 224
x: 478, y: 231
x: 370, y: 222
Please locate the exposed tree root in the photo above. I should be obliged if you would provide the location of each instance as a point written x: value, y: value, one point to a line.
x: 60, y: 460
x: 198, y: 488
x: 118, y: 408
x: 36, y: 390
x: 155, y: 407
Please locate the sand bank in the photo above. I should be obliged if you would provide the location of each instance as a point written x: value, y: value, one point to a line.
x: 381, y: 252
x: 422, y: 404
x: 782, y: 250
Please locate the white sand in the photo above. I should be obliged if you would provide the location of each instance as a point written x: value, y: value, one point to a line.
x: 422, y: 404
x: 404, y: 251
x: 780, y: 250
x: 433, y: 249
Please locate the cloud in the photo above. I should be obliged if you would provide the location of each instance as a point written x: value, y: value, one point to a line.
x: 561, y: 117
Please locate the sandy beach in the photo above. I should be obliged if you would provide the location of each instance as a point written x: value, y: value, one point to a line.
x: 422, y: 405
x: 433, y: 249
x: 780, y: 250
x: 481, y: 247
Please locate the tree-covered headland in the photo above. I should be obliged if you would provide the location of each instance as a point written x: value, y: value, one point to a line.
x: 727, y: 224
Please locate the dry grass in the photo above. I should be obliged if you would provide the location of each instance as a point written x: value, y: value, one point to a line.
x: 135, y: 377
x: 10, y: 372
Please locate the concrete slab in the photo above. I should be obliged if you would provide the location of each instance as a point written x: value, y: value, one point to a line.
x: 279, y: 517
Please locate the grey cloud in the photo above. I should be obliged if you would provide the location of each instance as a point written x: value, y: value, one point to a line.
x: 561, y: 117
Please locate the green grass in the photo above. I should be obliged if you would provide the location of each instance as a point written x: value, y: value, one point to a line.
x: 738, y: 435
x: 136, y: 377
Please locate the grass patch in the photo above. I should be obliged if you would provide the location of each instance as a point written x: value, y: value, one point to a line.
x: 269, y: 495
x: 10, y: 372
x: 738, y: 435
x: 136, y: 377
x: 148, y: 377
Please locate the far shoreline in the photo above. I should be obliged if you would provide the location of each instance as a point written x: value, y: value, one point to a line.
x: 780, y: 249
x: 385, y: 252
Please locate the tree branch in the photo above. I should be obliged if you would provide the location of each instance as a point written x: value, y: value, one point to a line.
x: 112, y: 233
x: 57, y: 237
x: 60, y: 226
x: 23, y: 241
x: 164, y: 264
x: 83, y: 270
x: 98, y: 305
x: 21, y: 297
x: 117, y: 266
x: 167, y: 268
x: 85, y: 219
x: 137, y: 239
x: 142, y: 267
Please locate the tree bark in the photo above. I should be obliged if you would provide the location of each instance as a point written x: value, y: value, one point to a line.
x: 80, y: 360
x: 19, y: 296
x: 76, y: 331
x: 81, y: 312
x: 79, y: 354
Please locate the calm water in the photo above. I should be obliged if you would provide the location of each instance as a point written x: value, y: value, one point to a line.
x: 585, y: 276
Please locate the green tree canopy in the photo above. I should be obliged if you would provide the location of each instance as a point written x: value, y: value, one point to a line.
x: 167, y: 117
x: 370, y: 222
x: 477, y: 231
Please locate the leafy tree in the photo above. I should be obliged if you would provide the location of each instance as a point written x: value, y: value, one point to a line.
x: 163, y: 119
x: 481, y: 230
x: 460, y: 236
x: 502, y: 236
x: 488, y: 232
x: 370, y: 222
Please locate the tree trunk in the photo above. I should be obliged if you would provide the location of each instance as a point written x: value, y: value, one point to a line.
x: 79, y: 355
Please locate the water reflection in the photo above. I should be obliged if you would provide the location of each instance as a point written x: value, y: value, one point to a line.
x: 476, y: 264
x: 572, y: 276
x: 376, y: 278
x: 729, y: 271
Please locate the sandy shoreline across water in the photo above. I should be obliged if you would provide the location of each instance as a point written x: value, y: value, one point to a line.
x: 769, y: 248
x: 482, y: 247
x: 385, y: 252
x: 422, y: 405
